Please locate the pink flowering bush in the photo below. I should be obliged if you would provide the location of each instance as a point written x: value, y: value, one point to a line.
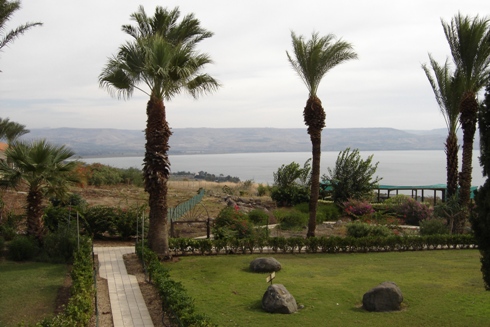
x: 357, y: 208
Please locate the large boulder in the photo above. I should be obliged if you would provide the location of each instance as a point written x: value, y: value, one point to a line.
x: 387, y: 296
x: 265, y: 265
x: 277, y: 299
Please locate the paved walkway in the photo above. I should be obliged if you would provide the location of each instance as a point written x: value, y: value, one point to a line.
x: 127, y: 303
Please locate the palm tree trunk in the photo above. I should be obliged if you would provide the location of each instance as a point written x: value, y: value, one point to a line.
x: 156, y: 173
x: 469, y: 112
x: 35, y: 213
x: 452, y: 164
x: 314, y: 117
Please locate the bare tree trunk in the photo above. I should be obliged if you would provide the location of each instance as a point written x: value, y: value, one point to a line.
x: 452, y: 164
x: 156, y: 173
x: 314, y: 117
x: 35, y: 225
x: 469, y: 111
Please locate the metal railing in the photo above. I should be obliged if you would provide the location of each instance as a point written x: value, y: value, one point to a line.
x: 175, y: 213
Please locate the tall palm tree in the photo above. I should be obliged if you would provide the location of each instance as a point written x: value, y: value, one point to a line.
x: 469, y: 41
x: 44, y: 169
x: 448, y: 90
x: 161, y: 57
x: 7, y: 9
x: 312, y: 60
x: 11, y: 131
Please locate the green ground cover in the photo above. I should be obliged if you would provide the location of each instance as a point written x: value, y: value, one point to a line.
x: 28, y: 290
x: 440, y: 288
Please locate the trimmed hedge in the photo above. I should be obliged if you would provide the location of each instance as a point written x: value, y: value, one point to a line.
x: 80, y: 307
x: 177, y: 304
x: 335, y: 244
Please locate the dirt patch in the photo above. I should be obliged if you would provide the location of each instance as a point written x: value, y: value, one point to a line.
x: 103, y: 302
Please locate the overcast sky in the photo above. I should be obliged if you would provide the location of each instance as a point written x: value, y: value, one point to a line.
x: 50, y: 74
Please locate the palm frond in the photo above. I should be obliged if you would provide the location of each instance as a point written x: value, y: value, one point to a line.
x: 448, y: 90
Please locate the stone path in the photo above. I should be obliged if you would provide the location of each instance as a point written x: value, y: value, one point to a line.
x: 127, y: 303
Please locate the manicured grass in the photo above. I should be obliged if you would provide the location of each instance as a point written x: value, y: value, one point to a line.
x: 28, y: 291
x: 440, y: 288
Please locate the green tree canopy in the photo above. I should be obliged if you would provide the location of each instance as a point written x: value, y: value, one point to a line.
x: 352, y: 177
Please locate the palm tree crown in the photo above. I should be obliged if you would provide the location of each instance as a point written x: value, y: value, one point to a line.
x: 314, y: 58
x: 45, y: 170
x: 469, y: 42
x: 10, y: 130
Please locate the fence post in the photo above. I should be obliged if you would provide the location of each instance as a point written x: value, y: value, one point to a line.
x: 208, y: 228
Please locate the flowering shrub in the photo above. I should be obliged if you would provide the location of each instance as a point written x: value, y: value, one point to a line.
x: 411, y: 211
x: 357, y: 208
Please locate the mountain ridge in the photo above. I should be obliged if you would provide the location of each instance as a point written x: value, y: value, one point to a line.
x: 122, y: 142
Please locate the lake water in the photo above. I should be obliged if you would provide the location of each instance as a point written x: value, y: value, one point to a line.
x: 395, y: 167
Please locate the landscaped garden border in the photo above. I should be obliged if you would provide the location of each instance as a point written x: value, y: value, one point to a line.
x: 334, y: 244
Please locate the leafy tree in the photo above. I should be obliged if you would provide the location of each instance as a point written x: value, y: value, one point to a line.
x: 11, y: 131
x: 312, y: 60
x: 352, y: 177
x: 44, y: 169
x: 291, y: 184
x: 480, y: 219
x: 7, y: 9
x: 468, y: 40
x: 448, y: 90
x: 162, y: 57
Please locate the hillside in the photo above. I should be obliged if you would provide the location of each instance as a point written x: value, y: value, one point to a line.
x: 118, y: 142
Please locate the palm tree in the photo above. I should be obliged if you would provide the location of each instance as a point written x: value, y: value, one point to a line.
x: 469, y: 41
x: 162, y: 57
x: 44, y: 169
x: 11, y: 131
x: 448, y: 90
x: 7, y: 9
x: 312, y: 60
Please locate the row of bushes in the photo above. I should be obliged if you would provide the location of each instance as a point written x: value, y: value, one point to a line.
x: 335, y: 244
x: 80, y: 307
x: 97, y: 220
x: 177, y: 304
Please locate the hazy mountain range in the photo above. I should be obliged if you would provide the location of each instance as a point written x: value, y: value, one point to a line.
x: 117, y: 142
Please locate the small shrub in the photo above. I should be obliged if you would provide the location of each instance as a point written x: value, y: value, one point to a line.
x: 329, y: 212
x: 433, y: 226
x: 232, y: 223
x: 258, y: 217
x: 262, y: 190
x: 125, y: 221
x: 359, y: 229
x: 59, y: 246
x: 293, y: 220
x: 357, y: 208
x: 8, y: 232
x: 23, y: 248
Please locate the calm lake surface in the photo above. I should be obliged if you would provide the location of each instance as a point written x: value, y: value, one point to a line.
x: 395, y: 167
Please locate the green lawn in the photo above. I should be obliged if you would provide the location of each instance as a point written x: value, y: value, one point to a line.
x: 28, y: 291
x: 440, y: 288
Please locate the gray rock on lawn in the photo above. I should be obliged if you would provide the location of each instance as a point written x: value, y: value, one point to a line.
x: 265, y: 265
x: 387, y: 296
x: 277, y: 299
